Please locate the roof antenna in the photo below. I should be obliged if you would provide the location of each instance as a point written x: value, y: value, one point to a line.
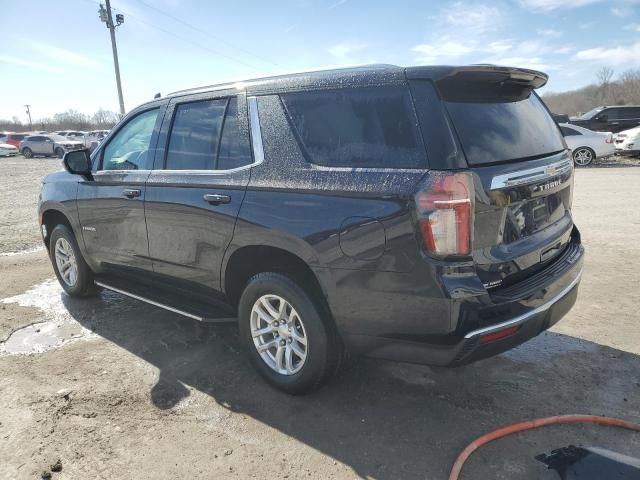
x: 157, y: 95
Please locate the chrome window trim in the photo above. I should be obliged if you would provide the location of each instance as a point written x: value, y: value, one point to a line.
x: 526, y: 316
x: 120, y: 172
x: 531, y: 175
x: 256, y: 133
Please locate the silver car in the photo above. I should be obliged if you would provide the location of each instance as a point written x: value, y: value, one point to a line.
x: 48, y: 145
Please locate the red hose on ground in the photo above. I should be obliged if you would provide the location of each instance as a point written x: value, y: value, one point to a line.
x: 529, y: 425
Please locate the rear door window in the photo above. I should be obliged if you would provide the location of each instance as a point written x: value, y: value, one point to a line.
x: 501, y: 128
x: 371, y: 127
x: 206, y: 135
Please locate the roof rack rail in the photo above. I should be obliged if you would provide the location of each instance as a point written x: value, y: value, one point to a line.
x: 241, y: 83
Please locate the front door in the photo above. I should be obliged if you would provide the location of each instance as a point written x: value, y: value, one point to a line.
x: 111, y: 206
x: 197, y: 186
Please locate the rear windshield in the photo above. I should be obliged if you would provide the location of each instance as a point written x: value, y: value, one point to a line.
x: 500, y: 130
x: 369, y: 127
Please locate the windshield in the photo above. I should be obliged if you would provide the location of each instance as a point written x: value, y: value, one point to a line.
x: 590, y: 114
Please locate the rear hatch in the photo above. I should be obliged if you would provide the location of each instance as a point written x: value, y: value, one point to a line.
x: 521, y: 169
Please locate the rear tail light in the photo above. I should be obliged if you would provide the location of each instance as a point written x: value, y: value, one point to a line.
x: 609, y: 139
x: 444, y: 207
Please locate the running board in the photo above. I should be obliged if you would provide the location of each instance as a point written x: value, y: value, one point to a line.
x: 196, y: 312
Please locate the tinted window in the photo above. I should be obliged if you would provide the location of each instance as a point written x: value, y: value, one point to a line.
x: 629, y: 113
x: 611, y: 114
x: 234, y: 145
x: 498, y: 130
x: 567, y: 132
x: 195, y: 135
x: 129, y: 148
x: 366, y: 127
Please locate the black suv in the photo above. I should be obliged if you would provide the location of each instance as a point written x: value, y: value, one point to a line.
x: 418, y: 214
x: 610, y: 119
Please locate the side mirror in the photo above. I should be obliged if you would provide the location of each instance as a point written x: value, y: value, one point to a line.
x: 602, y: 118
x: 78, y: 162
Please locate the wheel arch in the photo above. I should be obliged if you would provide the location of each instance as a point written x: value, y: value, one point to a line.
x: 245, y: 261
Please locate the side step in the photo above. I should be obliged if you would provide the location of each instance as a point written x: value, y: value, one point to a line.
x: 197, y: 309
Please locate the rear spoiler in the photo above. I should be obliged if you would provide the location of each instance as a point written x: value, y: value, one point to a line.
x: 480, y: 82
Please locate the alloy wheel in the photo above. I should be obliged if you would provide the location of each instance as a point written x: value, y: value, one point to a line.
x: 583, y: 157
x: 279, y: 334
x: 66, y: 262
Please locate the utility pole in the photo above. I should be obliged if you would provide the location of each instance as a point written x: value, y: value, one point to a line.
x: 106, y: 17
x: 29, y: 113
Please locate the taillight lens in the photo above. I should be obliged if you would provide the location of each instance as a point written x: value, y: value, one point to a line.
x: 609, y: 139
x: 444, y: 206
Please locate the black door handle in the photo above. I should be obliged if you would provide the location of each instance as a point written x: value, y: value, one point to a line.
x: 131, y: 192
x: 216, y: 198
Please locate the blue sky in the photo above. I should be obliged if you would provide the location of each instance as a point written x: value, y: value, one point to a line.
x: 57, y: 55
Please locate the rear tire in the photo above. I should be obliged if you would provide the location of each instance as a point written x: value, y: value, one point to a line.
x: 72, y: 271
x: 298, y: 348
x: 59, y: 152
x: 27, y: 153
x: 583, y: 156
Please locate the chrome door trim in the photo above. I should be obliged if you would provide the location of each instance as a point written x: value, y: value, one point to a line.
x: 256, y: 132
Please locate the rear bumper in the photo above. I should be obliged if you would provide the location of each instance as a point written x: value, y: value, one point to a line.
x: 490, y: 326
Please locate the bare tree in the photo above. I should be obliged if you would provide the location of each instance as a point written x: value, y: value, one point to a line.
x: 604, y: 76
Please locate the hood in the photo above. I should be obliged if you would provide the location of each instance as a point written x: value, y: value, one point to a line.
x: 7, y: 146
x: 60, y: 176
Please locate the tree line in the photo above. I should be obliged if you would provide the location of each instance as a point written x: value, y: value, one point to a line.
x: 623, y: 90
x: 69, y: 120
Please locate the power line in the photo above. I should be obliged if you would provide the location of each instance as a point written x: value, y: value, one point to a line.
x: 168, y: 32
x: 205, y: 32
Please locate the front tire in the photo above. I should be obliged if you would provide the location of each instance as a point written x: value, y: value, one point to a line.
x: 59, y: 152
x: 72, y: 271
x: 27, y: 153
x: 289, y: 342
x: 583, y: 156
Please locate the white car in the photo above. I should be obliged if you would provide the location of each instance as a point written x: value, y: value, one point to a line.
x: 7, y: 150
x: 627, y: 142
x: 587, y: 145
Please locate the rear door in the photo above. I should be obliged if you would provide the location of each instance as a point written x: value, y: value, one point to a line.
x: 522, y: 170
x: 197, y: 186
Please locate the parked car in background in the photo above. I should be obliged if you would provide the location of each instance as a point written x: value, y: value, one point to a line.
x: 93, y: 138
x: 48, y: 145
x: 3, y: 136
x: 627, y: 142
x: 7, y: 150
x: 610, y: 118
x: 72, y: 134
x: 15, y: 139
x: 332, y: 210
x: 587, y: 145
x: 560, y: 117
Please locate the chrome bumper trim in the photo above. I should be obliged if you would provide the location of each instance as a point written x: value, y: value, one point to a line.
x: 526, y: 316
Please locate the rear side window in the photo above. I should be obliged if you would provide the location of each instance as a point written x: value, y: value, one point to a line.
x: 497, y: 129
x: 364, y: 127
x: 206, y: 136
x: 567, y: 132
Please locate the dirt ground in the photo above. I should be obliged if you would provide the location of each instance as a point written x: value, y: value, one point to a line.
x: 114, y: 388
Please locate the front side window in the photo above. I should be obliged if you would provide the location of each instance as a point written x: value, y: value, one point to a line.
x: 129, y: 148
x: 366, y: 127
x: 206, y: 136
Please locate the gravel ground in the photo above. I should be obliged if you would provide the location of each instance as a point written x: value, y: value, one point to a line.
x: 114, y: 388
x: 19, y: 190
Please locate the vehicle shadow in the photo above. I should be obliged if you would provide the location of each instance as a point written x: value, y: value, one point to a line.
x: 387, y: 420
